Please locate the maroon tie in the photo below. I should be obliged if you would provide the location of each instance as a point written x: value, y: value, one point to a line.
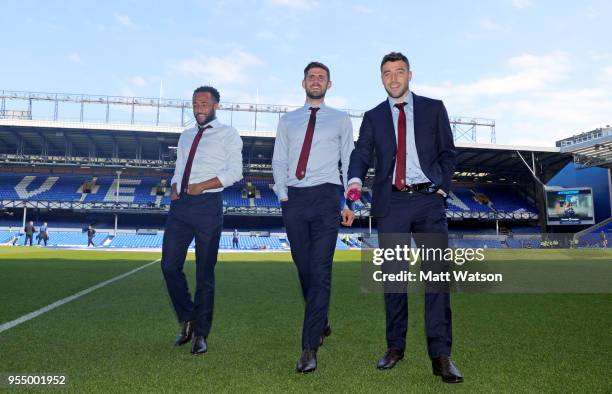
x: 192, y: 151
x: 300, y: 171
x: 400, y: 161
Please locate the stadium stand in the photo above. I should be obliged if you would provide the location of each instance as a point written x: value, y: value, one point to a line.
x: 6, y: 236
x: 144, y: 241
x: 594, y: 238
x: 68, y: 238
x: 136, y: 241
x: 142, y: 192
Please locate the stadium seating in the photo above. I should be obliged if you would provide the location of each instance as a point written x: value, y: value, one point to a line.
x: 136, y: 241
x: 6, y: 236
x: 594, y: 239
x: 68, y: 238
x: 346, y: 240
x: 142, y: 190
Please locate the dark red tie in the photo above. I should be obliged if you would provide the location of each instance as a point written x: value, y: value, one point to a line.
x: 400, y: 161
x: 300, y: 171
x: 192, y: 151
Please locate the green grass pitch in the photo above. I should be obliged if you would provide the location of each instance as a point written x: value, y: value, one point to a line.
x: 119, y: 337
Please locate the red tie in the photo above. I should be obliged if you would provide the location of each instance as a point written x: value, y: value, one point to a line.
x: 192, y: 151
x: 400, y: 161
x: 300, y: 171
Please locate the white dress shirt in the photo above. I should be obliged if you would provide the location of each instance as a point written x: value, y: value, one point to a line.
x: 219, y: 154
x: 332, y: 142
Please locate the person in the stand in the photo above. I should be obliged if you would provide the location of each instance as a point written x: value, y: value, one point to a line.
x: 29, y: 233
x: 91, y: 233
x: 235, y: 239
x: 43, y: 234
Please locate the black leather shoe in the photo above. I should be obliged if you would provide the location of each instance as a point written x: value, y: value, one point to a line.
x: 443, y: 366
x: 307, y: 362
x: 392, y: 356
x: 199, y: 345
x: 185, y: 335
x: 326, y: 332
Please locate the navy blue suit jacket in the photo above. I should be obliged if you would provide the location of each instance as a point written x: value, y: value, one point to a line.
x: 434, y: 143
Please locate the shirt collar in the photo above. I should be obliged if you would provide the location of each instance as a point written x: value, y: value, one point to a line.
x: 213, y: 123
x: 408, y: 100
x: 307, y: 106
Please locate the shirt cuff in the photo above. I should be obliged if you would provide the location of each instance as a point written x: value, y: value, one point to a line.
x: 354, y: 180
x: 281, y: 193
x: 223, y: 179
x: 227, y: 179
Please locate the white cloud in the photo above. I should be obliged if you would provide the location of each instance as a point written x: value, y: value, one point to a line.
x: 294, y: 4
x: 490, y: 25
x: 530, y: 104
x: 532, y: 73
x: 74, y: 57
x: 228, y: 69
x: 125, y: 21
x: 265, y: 35
x: 607, y: 73
x: 363, y: 9
x: 520, y: 4
x: 127, y: 92
x: 139, y: 81
x: 591, y: 12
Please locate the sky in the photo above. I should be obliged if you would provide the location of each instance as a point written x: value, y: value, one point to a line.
x: 541, y: 69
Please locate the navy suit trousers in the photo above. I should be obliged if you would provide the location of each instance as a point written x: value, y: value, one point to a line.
x: 199, y: 217
x: 312, y: 219
x: 421, y: 217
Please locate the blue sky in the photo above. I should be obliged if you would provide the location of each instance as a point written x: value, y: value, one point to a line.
x: 541, y: 69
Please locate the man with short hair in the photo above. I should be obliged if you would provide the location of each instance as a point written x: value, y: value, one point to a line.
x: 91, y: 233
x: 29, y: 231
x: 310, y: 142
x: 416, y: 156
x: 208, y: 159
x: 43, y: 234
x: 235, y: 239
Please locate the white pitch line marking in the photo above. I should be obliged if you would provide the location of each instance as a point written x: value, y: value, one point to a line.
x: 56, y: 304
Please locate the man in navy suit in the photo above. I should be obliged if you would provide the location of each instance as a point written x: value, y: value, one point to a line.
x: 415, y: 161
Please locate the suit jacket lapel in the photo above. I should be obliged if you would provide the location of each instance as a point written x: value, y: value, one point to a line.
x: 387, y: 125
x: 417, y: 113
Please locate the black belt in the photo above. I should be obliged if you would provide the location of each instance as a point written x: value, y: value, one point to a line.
x: 417, y: 187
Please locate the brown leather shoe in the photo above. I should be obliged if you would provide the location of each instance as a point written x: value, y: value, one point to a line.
x: 185, y: 335
x: 443, y: 366
x: 392, y: 356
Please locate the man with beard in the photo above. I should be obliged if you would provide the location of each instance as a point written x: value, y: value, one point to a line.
x: 415, y: 162
x: 208, y: 159
x: 310, y: 142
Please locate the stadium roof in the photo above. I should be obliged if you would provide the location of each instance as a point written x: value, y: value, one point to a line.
x: 592, y: 148
x: 475, y: 160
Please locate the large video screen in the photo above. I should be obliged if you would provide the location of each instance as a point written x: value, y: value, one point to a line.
x: 569, y: 206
